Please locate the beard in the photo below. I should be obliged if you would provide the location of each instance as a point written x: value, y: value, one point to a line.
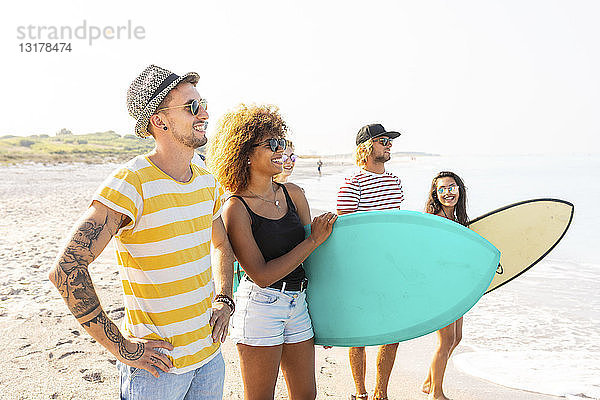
x: 382, y: 158
x: 192, y: 140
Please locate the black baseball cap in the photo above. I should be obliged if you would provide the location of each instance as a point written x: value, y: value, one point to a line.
x: 372, y: 131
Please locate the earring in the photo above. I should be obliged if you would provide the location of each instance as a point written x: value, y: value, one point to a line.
x: 248, y: 161
x: 165, y: 128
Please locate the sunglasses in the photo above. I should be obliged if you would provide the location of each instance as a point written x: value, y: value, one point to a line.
x: 274, y: 144
x: 194, y: 106
x: 292, y: 157
x: 450, y: 189
x: 383, y: 140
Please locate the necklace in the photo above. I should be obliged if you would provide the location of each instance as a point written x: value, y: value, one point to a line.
x: 274, y: 201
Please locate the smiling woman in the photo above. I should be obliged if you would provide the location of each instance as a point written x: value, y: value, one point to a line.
x: 448, y: 195
x: 289, y: 161
x: 238, y: 133
x: 448, y: 199
x: 265, y: 224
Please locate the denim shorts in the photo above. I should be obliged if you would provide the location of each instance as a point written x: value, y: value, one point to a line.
x: 269, y: 317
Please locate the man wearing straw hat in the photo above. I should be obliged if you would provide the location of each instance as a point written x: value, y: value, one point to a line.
x: 163, y: 209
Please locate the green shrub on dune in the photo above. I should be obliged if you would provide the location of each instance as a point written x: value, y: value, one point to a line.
x: 66, y: 147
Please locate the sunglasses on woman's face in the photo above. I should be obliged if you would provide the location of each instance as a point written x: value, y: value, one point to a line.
x: 274, y: 144
x: 383, y: 140
x: 292, y: 157
x: 193, y: 107
x: 450, y: 189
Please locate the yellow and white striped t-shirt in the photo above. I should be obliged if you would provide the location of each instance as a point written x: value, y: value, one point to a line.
x: 164, y: 256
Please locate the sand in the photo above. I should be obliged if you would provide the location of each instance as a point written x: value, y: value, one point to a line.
x: 48, y: 355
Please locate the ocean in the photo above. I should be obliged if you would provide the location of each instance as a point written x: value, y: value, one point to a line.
x: 540, y: 332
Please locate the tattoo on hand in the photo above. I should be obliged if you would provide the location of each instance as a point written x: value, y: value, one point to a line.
x: 114, y: 335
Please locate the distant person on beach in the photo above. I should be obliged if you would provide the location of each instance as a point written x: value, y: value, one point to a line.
x: 164, y: 212
x: 371, y: 188
x: 319, y: 166
x: 447, y: 198
x: 289, y: 161
x: 265, y: 222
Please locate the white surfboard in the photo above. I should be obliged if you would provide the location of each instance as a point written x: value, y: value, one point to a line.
x: 525, y: 233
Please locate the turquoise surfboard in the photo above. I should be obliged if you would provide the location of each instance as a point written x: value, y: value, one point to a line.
x: 389, y: 276
x: 238, y: 275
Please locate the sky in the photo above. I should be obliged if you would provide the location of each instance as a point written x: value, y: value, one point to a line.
x: 454, y: 77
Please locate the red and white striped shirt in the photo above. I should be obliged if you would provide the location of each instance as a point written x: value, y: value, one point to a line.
x: 367, y: 191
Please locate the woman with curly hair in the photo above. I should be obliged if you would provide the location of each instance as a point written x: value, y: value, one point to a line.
x: 448, y: 199
x: 264, y: 221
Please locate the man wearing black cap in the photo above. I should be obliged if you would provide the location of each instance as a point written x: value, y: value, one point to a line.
x: 163, y: 209
x: 371, y: 188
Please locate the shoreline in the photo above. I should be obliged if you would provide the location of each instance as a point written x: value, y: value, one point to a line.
x: 31, y: 158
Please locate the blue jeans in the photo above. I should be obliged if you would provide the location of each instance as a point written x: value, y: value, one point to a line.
x: 204, y: 383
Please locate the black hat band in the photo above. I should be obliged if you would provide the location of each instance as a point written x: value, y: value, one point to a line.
x: 170, y: 79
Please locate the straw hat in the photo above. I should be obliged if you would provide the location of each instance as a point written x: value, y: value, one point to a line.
x: 148, y: 90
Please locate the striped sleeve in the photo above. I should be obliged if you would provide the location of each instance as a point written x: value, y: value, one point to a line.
x: 348, y: 196
x: 219, y: 200
x: 401, y: 189
x: 122, y: 192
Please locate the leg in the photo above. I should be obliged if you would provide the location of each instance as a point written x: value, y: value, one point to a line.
x: 385, y: 362
x: 457, y: 334
x: 260, y: 366
x: 298, y: 367
x: 427, y: 384
x: 457, y: 338
x: 440, y: 360
x: 208, y: 381
x: 358, y: 365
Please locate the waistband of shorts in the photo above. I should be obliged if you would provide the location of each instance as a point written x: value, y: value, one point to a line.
x: 290, y: 286
x: 284, y: 286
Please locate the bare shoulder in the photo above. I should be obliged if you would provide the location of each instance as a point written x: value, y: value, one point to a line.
x: 299, y: 198
x: 294, y: 190
x: 234, y: 209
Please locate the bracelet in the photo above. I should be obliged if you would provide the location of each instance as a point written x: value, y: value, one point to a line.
x: 228, y: 301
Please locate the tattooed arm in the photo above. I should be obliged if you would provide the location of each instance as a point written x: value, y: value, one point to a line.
x: 71, y: 277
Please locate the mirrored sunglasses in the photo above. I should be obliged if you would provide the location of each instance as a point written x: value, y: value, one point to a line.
x: 274, y: 144
x: 193, y: 107
x: 450, y: 189
x: 383, y: 140
x: 292, y: 157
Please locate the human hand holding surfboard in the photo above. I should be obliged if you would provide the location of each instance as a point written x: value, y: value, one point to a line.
x: 321, y: 227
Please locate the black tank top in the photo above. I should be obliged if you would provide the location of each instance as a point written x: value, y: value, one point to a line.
x: 276, y: 237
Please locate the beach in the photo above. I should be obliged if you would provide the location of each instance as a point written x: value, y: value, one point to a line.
x: 50, y: 356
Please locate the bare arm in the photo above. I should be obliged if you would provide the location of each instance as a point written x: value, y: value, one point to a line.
x: 71, y: 277
x: 223, y: 259
x: 238, y: 225
x: 299, y: 199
